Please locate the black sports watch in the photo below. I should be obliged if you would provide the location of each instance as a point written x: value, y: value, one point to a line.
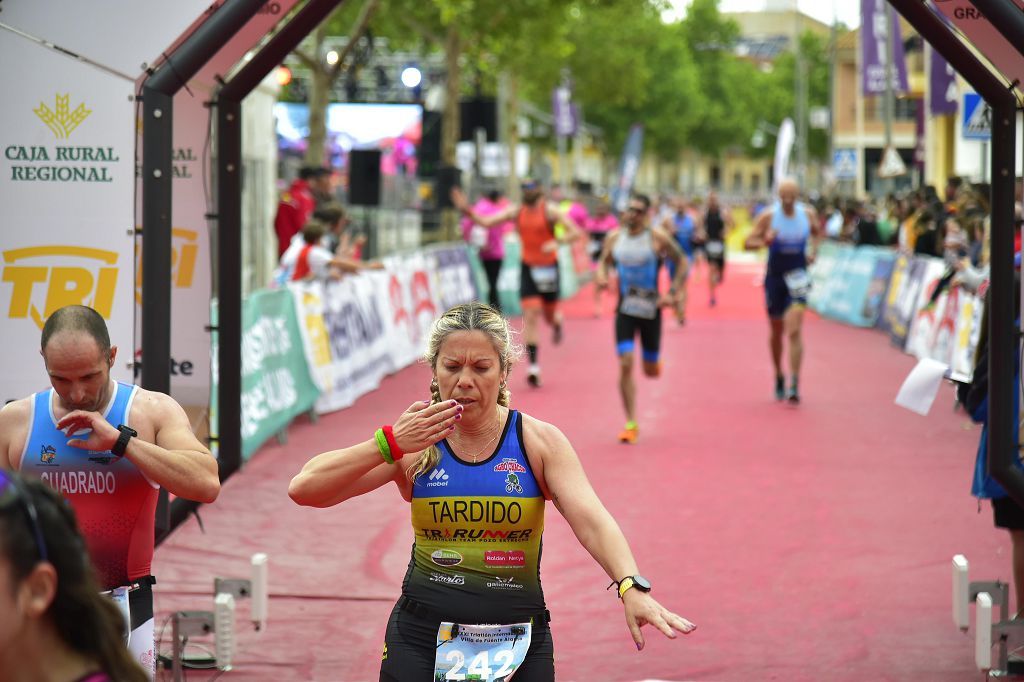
x: 638, y: 581
x: 127, y: 433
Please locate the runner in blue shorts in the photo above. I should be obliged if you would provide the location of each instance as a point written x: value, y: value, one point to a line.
x: 635, y: 251
x: 786, y: 229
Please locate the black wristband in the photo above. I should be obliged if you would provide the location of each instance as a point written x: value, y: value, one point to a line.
x: 127, y: 433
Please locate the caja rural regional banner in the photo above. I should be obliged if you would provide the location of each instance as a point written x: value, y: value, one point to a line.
x: 66, y: 192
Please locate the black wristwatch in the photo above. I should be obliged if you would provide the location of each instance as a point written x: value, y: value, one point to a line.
x: 638, y: 581
x: 127, y: 433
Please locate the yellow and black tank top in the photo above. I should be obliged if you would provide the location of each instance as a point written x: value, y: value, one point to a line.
x: 478, y: 526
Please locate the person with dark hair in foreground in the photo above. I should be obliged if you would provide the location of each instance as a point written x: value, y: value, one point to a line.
x: 55, y: 624
x: 107, y: 447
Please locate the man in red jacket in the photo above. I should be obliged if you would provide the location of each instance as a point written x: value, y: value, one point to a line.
x: 297, y: 204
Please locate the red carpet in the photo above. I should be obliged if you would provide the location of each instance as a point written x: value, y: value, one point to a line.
x: 808, y: 543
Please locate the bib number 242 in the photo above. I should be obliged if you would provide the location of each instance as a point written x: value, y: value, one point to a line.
x: 481, y: 667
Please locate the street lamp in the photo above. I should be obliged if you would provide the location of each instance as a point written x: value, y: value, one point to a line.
x: 411, y: 77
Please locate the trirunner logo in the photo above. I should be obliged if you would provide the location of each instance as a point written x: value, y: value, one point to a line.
x: 62, y: 121
x: 70, y: 275
x: 438, y: 478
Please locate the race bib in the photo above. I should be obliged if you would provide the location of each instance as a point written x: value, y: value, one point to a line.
x: 715, y: 249
x: 478, y: 236
x: 488, y: 653
x: 545, y: 277
x: 798, y: 282
x: 642, y: 303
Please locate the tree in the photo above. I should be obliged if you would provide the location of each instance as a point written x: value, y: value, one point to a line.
x: 729, y: 83
x: 323, y: 76
x: 780, y: 83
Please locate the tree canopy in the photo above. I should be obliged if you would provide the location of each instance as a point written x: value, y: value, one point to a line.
x: 682, y: 80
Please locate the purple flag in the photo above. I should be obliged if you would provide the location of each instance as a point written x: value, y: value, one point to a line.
x: 943, y: 93
x: 876, y: 19
x: 563, y: 111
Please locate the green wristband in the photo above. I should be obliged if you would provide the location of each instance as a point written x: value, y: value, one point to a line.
x: 382, y: 445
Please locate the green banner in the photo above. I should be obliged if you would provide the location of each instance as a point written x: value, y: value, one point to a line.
x: 276, y: 382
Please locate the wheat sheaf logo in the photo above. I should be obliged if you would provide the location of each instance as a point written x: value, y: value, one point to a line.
x: 63, y: 120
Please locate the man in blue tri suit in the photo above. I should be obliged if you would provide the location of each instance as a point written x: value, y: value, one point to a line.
x: 635, y: 251
x: 787, y: 229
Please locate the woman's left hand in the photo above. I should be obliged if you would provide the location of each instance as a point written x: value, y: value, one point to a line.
x: 642, y: 609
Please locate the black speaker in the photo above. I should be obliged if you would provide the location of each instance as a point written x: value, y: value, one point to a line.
x: 430, y: 145
x: 479, y: 112
x: 364, y: 177
x: 447, y: 177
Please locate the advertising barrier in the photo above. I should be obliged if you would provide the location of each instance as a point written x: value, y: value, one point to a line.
x: 843, y: 288
x: 872, y: 286
x: 276, y: 384
x: 357, y: 330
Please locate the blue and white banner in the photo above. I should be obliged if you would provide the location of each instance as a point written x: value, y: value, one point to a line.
x: 628, y: 167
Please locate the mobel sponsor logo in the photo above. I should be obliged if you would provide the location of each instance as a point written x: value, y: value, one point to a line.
x: 61, y: 163
x: 45, y: 278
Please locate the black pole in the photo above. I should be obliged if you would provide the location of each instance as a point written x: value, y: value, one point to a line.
x: 157, y: 150
x: 229, y: 286
x: 229, y: 223
x: 156, y: 239
x: 1002, y: 333
x: 1002, y: 422
x: 277, y: 48
x: 1006, y: 18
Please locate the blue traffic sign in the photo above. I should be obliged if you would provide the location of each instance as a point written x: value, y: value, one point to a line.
x: 844, y: 164
x: 977, y: 118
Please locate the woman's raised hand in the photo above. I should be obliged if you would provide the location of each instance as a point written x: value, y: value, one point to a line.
x: 425, y: 424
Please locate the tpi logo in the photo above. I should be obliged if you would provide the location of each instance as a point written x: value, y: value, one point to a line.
x: 68, y: 275
x: 184, y: 250
x: 62, y: 121
x: 438, y: 478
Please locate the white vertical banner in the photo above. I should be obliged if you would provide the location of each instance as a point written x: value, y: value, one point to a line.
x: 66, y: 219
x: 783, y: 149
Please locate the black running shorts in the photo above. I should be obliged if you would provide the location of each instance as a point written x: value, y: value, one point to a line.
x: 410, y: 646
x: 528, y: 288
x: 1007, y: 513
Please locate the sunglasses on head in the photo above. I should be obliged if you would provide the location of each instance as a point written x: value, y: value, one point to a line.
x: 634, y: 209
x: 13, y: 493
